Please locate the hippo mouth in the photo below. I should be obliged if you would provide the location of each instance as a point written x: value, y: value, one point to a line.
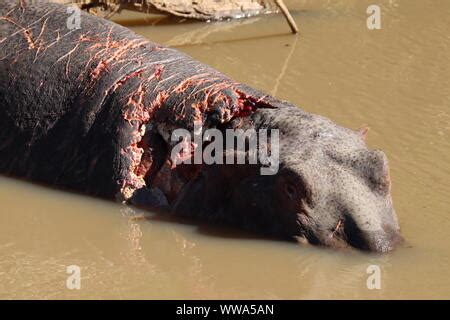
x: 347, y: 235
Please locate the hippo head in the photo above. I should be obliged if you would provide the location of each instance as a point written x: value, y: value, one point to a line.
x: 330, y: 189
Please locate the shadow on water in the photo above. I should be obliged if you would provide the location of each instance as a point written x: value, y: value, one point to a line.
x: 154, y: 20
x: 202, y: 227
x: 201, y: 32
x: 135, y: 213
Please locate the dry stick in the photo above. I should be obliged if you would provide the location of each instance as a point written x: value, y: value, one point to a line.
x: 287, y: 15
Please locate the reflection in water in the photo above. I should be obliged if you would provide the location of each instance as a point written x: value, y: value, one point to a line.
x: 204, y: 31
x: 187, y: 33
x: 395, y: 80
x: 133, y: 235
x: 285, y: 66
x: 198, y: 285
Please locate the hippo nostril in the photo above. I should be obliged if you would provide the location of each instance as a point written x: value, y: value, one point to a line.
x: 388, y: 239
x: 382, y: 241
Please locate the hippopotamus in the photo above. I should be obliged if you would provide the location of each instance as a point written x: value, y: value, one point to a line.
x: 92, y: 109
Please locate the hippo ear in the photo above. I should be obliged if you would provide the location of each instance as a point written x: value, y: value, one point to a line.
x: 363, y: 132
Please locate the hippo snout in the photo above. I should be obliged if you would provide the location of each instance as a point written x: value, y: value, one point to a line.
x: 385, y: 239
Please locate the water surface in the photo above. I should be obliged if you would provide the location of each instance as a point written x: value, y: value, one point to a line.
x: 395, y: 80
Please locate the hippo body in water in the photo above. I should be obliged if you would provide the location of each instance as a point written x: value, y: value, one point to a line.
x: 90, y: 110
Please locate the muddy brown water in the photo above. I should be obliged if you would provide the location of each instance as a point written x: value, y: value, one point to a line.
x: 396, y: 80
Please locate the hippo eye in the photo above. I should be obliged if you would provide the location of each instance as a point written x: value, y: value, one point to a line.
x: 290, y: 191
